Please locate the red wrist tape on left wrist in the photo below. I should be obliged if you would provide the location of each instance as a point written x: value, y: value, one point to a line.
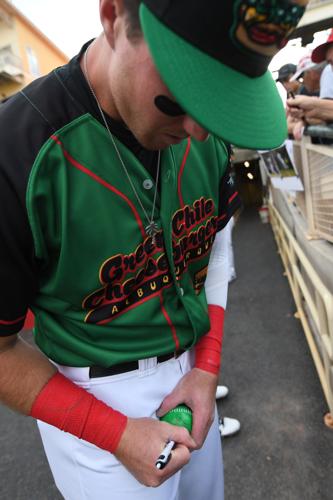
x: 208, y: 349
x: 72, y: 409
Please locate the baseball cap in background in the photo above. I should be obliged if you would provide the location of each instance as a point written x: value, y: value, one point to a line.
x: 285, y: 72
x: 305, y: 64
x: 319, y: 53
x: 213, y: 56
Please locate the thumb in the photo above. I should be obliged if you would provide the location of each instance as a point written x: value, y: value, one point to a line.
x: 168, y: 403
x: 181, y: 436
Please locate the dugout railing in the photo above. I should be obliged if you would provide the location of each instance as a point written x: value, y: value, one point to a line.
x: 314, y: 302
x: 311, y: 287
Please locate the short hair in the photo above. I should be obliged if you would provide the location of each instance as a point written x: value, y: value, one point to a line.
x: 133, y: 26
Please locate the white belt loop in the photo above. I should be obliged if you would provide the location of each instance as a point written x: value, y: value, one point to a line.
x: 147, y: 366
x: 76, y: 374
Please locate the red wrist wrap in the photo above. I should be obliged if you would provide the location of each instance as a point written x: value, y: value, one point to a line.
x: 208, y: 349
x: 72, y: 409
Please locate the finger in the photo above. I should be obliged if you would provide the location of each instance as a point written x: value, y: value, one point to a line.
x: 180, y: 456
x: 314, y: 121
x: 297, y: 113
x: 201, y: 426
x: 293, y: 102
x: 298, y: 131
x: 181, y: 436
x: 168, y: 403
x: 311, y: 117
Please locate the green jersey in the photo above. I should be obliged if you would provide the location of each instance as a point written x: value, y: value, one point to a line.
x: 104, y: 291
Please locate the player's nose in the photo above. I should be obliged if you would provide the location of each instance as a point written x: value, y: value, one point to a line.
x: 193, y: 129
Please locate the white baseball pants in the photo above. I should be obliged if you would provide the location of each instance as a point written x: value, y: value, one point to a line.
x: 83, y: 471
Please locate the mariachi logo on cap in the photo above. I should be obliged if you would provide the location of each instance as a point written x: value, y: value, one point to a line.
x: 264, y: 25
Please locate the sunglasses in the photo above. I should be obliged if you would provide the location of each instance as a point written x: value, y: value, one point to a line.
x: 168, y: 107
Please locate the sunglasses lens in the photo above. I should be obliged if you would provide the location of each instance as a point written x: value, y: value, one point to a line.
x: 167, y: 106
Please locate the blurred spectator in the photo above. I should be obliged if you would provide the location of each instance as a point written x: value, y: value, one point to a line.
x: 308, y: 73
x: 326, y: 83
x: 324, y: 52
x: 305, y: 110
x: 285, y: 74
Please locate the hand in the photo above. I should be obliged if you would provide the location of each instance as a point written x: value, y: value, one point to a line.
x: 298, y: 130
x: 312, y: 110
x: 294, y: 113
x: 298, y: 106
x: 302, y: 102
x: 197, y: 390
x: 142, y: 443
x: 292, y: 123
x: 312, y: 117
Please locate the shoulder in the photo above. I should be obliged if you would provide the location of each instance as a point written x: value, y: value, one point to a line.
x: 28, y: 119
x: 37, y: 110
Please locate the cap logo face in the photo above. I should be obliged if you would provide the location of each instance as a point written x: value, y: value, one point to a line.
x: 264, y: 25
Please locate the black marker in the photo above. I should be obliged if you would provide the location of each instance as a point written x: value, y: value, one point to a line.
x: 165, y: 456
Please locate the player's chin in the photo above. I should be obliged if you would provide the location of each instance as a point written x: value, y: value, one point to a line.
x: 161, y: 142
x: 167, y: 140
x: 175, y: 139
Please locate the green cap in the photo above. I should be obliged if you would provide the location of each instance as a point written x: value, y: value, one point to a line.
x: 213, y: 56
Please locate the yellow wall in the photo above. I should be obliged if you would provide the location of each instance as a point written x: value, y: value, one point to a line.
x: 48, y: 56
x: 8, y: 36
x: 20, y: 35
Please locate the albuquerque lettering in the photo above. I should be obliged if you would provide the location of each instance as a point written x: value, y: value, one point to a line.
x: 130, y: 279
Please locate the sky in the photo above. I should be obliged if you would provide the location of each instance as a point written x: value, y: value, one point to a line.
x: 67, y: 23
x: 63, y: 23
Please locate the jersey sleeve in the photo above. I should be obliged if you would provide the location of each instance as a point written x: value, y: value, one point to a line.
x: 18, y: 274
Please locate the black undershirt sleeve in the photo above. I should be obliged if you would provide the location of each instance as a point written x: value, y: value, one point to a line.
x: 25, y: 126
x: 18, y: 276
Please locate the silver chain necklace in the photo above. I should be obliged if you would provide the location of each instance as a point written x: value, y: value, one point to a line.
x: 152, y: 227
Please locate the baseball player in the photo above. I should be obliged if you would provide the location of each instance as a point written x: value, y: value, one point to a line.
x: 114, y: 196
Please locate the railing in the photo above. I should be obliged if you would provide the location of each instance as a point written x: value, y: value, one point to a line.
x: 313, y: 4
x: 314, y: 164
x: 7, y: 57
x: 10, y: 65
x: 313, y: 300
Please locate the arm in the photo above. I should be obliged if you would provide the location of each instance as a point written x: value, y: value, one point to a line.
x: 311, y: 109
x: 323, y: 111
x: 197, y: 388
x: 24, y: 371
x: 30, y: 384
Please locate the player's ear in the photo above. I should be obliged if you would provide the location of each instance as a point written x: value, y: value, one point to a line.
x: 110, y: 11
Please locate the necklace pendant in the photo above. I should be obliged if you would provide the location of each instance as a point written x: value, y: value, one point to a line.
x: 151, y: 230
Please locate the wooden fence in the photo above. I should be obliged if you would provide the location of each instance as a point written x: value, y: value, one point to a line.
x: 314, y: 302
